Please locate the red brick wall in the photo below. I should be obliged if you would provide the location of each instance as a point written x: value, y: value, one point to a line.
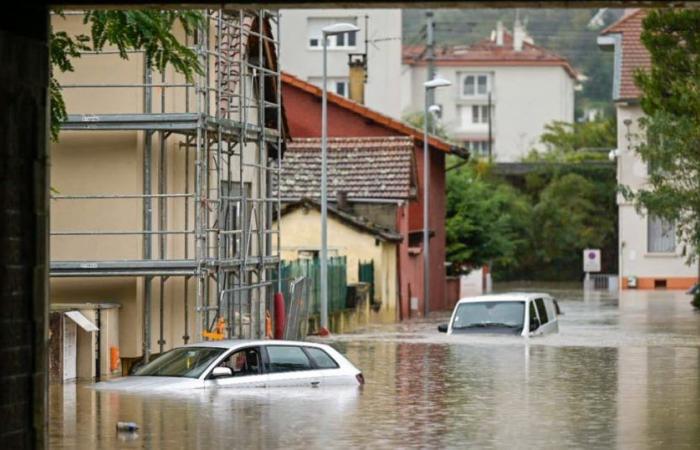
x: 304, y: 117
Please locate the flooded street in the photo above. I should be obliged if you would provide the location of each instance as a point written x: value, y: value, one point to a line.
x: 621, y: 373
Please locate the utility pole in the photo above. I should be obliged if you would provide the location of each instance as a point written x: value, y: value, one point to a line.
x: 490, y: 143
x: 430, y: 56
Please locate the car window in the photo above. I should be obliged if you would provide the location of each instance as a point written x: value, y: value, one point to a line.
x: 243, y: 362
x: 539, y: 303
x: 287, y: 358
x: 533, y: 316
x: 187, y: 362
x: 322, y: 359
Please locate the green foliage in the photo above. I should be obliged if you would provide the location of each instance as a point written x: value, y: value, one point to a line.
x: 577, y: 142
x: 569, y: 218
x: 486, y: 220
x: 536, y: 232
x: 147, y: 30
x: 671, y: 101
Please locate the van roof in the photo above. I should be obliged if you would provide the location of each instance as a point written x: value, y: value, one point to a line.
x: 507, y: 296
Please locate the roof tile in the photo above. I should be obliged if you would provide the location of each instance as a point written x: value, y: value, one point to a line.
x: 371, y: 167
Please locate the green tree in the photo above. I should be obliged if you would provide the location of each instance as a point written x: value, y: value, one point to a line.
x: 576, y: 142
x: 487, y: 220
x: 671, y: 101
x: 567, y: 219
x: 148, y: 30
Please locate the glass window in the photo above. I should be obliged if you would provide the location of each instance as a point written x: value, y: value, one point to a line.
x: 340, y: 40
x: 468, y: 85
x: 315, y: 26
x: 287, y: 359
x: 321, y: 358
x: 482, y: 87
x: 314, y: 42
x: 188, y: 362
x: 489, y: 314
x: 340, y: 88
x: 661, y: 235
x: 351, y: 38
x: 541, y: 310
x: 533, y: 318
x: 244, y: 362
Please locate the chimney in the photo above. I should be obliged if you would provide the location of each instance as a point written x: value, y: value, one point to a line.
x: 357, y: 63
x: 341, y: 198
x: 499, y: 33
x: 519, y: 36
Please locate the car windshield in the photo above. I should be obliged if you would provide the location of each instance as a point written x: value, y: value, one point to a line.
x: 489, y: 314
x: 187, y: 362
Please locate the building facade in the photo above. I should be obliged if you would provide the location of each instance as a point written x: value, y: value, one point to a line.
x: 158, y: 194
x: 504, y: 90
x: 379, y: 39
x: 650, y: 254
x: 347, y: 119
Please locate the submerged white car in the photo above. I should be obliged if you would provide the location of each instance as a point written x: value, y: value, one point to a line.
x: 239, y: 363
x: 523, y: 314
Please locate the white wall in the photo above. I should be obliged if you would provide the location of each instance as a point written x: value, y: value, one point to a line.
x: 382, y: 90
x: 635, y: 260
x: 524, y: 99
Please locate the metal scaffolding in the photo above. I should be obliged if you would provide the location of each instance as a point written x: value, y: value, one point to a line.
x: 227, y: 129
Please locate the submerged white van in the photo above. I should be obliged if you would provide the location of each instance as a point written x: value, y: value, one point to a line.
x: 517, y: 313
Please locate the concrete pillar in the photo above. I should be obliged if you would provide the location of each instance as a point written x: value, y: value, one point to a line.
x: 24, y: 223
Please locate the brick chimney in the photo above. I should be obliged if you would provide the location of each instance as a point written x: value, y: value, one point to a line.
x: 357, y: 62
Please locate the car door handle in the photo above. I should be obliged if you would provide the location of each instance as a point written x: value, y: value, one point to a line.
x: 315, y: 383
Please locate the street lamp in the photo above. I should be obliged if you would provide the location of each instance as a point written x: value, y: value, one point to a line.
x: 330, y: 30
x: 435, y: 83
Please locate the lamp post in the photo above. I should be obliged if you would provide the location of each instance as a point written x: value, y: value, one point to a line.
x: 429, y: 86
x: 330, y: 30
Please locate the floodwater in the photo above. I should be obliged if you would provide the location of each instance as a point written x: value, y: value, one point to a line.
x: 622, y: 373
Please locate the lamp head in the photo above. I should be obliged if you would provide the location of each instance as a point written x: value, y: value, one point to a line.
x: 436, y: 83
x: 339, y: 28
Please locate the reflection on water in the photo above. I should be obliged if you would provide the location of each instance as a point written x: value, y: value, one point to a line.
x: 620, y: 374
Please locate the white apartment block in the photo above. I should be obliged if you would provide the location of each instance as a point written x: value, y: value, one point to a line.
x: 301, y: 52
x: 523, y: 86
x: 650, y: 256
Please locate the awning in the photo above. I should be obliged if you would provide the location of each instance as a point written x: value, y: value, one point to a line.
x: 82, y: 321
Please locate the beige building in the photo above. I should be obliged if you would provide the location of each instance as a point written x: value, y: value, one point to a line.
x: 650, y: 254
x: 162, y: 201
x: 349, y: 235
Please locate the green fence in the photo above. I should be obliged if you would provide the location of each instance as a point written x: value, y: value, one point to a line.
x: 311, y: 269
x: 365, y: 274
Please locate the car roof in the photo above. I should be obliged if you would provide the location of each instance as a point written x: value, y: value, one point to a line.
x: 232, y: 343
x: 504, y: 297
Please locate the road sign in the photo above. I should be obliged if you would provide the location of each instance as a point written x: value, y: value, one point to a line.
x: 591, y: 260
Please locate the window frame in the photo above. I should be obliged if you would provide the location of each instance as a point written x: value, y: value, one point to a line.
x: 267, y: 362
x: 672, y: 226
x: 541, y: 308
x: 261, y: 369
x: 475, y: 75
x: 315, y: 364
x: 348, y: 42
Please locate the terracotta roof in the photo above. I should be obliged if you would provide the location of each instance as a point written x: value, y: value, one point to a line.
x: 487, y: 53
x: 357, y: 222
x: 632, y: 54
x: 373, y: 115
x: 374, y: 167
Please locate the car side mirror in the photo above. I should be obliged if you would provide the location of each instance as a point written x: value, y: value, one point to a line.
x: 222, y: 372
x: 442, y: 328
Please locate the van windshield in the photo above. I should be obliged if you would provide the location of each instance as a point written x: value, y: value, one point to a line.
x: 506, y: 314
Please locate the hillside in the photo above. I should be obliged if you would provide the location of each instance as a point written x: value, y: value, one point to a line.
x: 565, y: 31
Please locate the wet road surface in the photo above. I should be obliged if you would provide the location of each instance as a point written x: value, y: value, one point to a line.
x: 622, y: 373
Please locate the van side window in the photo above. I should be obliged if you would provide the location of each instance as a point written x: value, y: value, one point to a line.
x: 539, y: 303
x: 533, y: 317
